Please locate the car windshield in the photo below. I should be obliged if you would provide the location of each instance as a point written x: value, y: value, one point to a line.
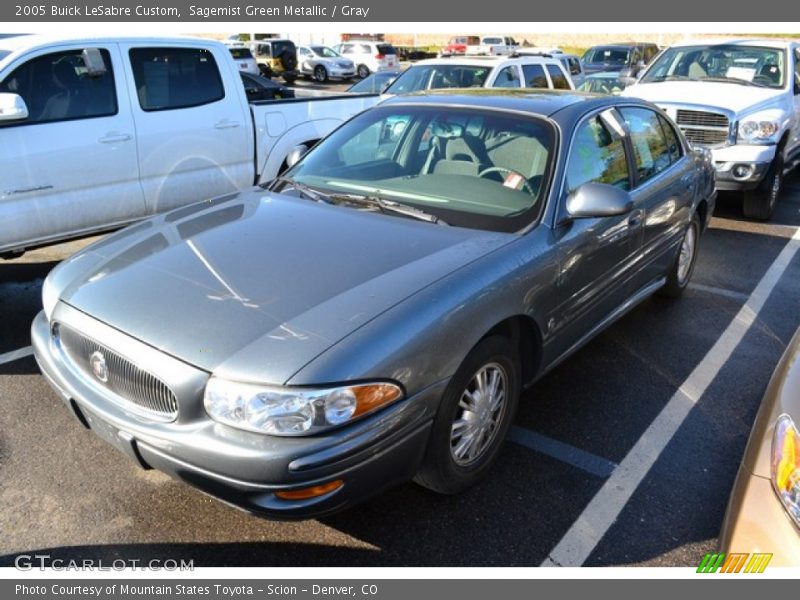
x: 374, y: 84
x: 602, y: 85
x: 324, y: 51
x: 482, y: 169
x: 606, y: 55
x: 734, y: 63
x: 431, y: 77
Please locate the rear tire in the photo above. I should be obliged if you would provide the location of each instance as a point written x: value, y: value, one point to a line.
x: 289, y: 79
x: 759, y: 203
x: 363, y: 71
x: 683, y: 267
x: 474, y: 416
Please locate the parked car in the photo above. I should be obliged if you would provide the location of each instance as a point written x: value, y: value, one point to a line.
x: 605, y: 82
x: 324, y: 63
x: 571, y: 62
x: 299, y: 348
x: 369, y: 57
x: 739, y: 98
x: 375, y: 83
x: 260, y: 88
x: 153, y: 123
x: 244, y: 59
x: 615, y: 57
x: 457, y: 46
x: 763, y: 515
x: 497, y: 72
x: 494, y: 45
x: 276, y: 58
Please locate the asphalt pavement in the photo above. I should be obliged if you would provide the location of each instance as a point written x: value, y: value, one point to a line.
x: 66, y: 493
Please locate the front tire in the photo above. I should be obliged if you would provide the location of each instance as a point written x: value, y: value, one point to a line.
x: 683, y: 267
x: 759, y: 203
x: 473, y: 419
x: 320, y: 74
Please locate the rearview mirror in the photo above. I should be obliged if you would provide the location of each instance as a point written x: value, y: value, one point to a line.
x: 598, y: 200
x: 295, y: 154
x: 12, y: 107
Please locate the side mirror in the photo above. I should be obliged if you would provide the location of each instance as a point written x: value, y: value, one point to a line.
x: 295, y: 154
x: 12, y: 107
x: 93, y: 60
x: 598, y: 200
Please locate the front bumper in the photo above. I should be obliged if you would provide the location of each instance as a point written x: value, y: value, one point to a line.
x: 242, y: 468
x: 741, y: 167
x: 756, y: 522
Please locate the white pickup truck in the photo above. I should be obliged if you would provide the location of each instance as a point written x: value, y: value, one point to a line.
x: 99, y: 132
x: 739, y: 98
x: 494, y: 45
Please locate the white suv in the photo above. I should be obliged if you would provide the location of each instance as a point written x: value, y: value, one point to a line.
x: 369, y: 57
x: 487, y: 72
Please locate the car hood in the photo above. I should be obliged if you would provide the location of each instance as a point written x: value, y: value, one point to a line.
x: 256, y: 286
x: 730, y: 96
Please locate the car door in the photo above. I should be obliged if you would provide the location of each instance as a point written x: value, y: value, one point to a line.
x: 664, y: 188
x: 598, y: 254
x: 194, y: 126
x: 70, y: 166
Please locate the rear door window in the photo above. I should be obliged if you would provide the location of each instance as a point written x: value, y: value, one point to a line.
x: 507, y: 78
x: 534, y: 76
x: 170, y: 78
x: 559, y: 79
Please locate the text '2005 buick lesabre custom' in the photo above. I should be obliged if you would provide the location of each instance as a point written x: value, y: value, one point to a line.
x: 371, y: 316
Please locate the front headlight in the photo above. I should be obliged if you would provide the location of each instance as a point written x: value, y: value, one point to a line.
x: 293, y: 411
x: 49, y: 297
x: 786, y: 466
x: 760, y: 128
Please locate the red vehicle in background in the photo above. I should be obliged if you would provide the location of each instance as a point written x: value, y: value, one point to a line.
x: 457, y: 46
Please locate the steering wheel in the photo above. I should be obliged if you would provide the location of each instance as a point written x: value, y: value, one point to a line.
x: 523, y: 182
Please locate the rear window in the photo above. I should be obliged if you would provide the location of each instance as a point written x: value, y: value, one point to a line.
x: 169, y: 78
x: 386, y: 49
x: 279, y: 47
x: 240, y: 53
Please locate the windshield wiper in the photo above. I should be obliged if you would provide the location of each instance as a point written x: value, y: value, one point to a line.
x: 385, y: 206
x: 305, y: 190
x: 672, y: 78
x: 737, y: 80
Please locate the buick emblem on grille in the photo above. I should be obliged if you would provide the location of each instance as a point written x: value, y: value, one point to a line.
x: 98, y: 364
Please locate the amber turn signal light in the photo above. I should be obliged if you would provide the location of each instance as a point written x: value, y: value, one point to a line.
x: 310, y: 492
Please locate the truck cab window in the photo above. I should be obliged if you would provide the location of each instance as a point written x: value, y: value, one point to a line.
x: 170, y: 78
x: 58, y: 87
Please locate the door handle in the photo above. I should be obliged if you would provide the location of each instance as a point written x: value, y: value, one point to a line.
x: 112, y: 138
x: 635, y: 220
x: 226, y: 124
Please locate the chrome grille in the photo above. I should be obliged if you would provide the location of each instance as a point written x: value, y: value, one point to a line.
x: 703, y: 128
x: 136, y: 387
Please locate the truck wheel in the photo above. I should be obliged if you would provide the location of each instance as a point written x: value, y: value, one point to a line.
x: 473, y: 419
x: 760, y: 203
x: 681, y: 271
x: 265, y: 71
x: 363, y: 71
x: 320, y: 74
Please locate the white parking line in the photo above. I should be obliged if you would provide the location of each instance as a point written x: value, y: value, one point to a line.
x: 15, y: 355
x: 718, y: 291
x: 586, y: 461
x: 602, y: 511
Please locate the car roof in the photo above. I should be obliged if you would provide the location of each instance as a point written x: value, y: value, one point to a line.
x: 767, y: 42
x: 493, y: 61
x: 25, y: 42
x: 539, y: 102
